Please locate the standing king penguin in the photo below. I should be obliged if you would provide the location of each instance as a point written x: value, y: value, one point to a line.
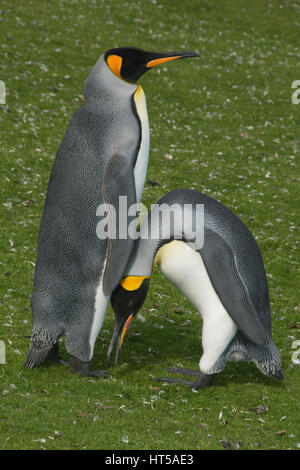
x: 103, y: 155
x: 224, y: 278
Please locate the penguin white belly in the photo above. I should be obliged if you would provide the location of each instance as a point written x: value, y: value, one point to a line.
x: 140, y: 169
x: 100, y: 307
x: 184, y: 267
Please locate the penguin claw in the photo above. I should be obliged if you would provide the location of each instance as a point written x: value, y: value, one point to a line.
x: 171, y: 380
x: 202, y: 381
x: 180, y: 370
x: 98, y: 373
x: 62, y: 362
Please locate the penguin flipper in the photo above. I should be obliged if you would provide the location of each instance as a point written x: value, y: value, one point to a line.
x: 118, y: 182
x: 222, y: 269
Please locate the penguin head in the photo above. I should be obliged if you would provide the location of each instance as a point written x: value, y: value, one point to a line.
x: 126, y: 301
x: 129, y: 63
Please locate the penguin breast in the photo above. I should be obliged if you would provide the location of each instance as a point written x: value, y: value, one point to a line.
x: 184, y: 267
x: 141, y: 164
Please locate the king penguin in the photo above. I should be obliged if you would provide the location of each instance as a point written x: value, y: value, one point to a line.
x: 103, y: 155
x: 222, y: 274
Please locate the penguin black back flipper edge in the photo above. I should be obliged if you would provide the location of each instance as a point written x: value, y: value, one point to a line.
x: 253, y: 340
x: 118, y: 181
x: 230, y: 287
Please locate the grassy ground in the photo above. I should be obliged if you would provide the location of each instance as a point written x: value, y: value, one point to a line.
x: 228, y: 123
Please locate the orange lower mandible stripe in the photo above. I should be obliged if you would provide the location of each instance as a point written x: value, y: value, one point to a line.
x: 155, y: 62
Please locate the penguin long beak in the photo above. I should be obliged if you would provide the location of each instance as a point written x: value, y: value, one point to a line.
x: 119, y: 331
x: 166, y: 57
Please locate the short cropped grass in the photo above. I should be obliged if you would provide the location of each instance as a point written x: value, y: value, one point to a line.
x: 224, y: 124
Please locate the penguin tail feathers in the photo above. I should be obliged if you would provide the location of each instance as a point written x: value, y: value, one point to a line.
x: 272, y: 369
x: 269, y: 362
x: 35, y: 357
x: 266, y: 358
x: 43, y: 344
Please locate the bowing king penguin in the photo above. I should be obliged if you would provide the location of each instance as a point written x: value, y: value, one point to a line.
x: 223, y: 277
x: 103, y: 155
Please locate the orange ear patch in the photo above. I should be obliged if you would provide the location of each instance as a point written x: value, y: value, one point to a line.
x: 115, y: 63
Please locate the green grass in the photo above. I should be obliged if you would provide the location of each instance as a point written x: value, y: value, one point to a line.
x: 228, y: 122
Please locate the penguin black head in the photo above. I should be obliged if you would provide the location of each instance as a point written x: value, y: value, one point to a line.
x: 126, y: 301
x: 129, y: 63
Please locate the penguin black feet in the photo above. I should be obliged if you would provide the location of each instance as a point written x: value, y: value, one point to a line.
x: 76, y: 366
x: 202, y: 380
x: 54, y: 356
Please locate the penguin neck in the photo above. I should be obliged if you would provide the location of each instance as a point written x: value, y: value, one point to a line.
x: 103, y: 82
x: 147, y: 254
x: 143, y: 259
x: 165, y: 223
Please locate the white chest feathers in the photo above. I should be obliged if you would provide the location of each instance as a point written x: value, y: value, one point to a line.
x: 140, y: 169
x: 184, y: 267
